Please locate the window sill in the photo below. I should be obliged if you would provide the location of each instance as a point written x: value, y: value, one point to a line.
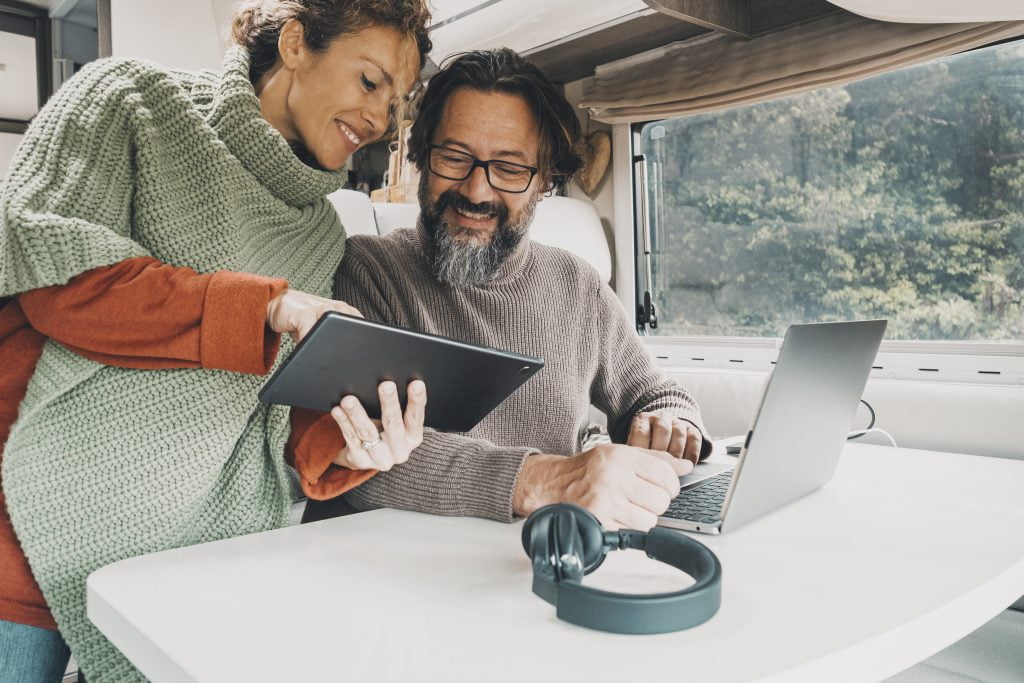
x: 960, y: 362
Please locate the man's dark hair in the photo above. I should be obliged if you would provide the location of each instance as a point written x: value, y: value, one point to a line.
x: 506, y: 72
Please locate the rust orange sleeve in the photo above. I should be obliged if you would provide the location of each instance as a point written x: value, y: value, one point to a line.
x: 312, y: 446
x: 141, y: 313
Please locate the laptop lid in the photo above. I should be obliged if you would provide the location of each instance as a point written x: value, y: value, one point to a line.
x: 801, y: 426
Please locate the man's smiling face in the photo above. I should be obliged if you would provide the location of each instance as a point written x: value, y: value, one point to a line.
x: 472, y: 226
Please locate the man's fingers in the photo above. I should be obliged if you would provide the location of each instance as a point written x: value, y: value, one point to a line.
x: 640, y: 431
x: 662, y: 470
x: 635, y: 518
x: 650, y: 497
x: 661, y: 432
x: 694, y: 441
x: 677, y: 447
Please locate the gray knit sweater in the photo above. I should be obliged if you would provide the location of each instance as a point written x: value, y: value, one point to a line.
x: 545, y: 302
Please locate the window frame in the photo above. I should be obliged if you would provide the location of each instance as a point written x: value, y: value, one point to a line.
x: 969, y: 362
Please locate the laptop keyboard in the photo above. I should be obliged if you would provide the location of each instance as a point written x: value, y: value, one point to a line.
x: 702, y: 502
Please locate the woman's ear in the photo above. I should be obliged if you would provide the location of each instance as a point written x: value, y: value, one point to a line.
x: 291, y: 45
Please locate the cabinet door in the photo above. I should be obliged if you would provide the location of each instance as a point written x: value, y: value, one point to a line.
x: 19, y: 80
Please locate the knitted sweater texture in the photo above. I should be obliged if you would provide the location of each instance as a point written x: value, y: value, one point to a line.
x: 105, y: 463
x: 545, y: 302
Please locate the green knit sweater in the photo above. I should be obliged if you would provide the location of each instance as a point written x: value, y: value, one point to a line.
x: 105, y: 463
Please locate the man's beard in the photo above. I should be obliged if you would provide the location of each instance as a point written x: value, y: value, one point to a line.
x: 456, y: 260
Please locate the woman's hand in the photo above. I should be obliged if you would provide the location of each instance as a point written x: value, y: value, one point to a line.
x: 381, y: 444
x: 294, y: 312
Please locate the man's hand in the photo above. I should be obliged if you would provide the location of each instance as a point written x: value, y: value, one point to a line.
x: 661, y: 432
x: 624, y: 487
x: 296, y: 312
x: 381, y: 444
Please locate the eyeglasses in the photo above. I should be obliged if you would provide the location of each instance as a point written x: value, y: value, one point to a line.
x: 503, y: 176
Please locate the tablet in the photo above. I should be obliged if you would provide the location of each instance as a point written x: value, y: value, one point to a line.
x: 345, y: 355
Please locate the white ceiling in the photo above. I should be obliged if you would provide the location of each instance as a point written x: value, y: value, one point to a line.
x: 522, y: 25
x: 935, y: 11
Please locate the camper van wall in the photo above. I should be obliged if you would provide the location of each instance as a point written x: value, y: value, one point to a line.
x: 8, y: 143
x: 187, y: 34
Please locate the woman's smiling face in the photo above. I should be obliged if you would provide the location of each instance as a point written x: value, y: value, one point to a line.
x: 336, y: 101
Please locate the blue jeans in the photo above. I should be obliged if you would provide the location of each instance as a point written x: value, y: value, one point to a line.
x: 31, y: 655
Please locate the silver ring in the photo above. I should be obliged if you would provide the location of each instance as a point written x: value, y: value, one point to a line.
x: 370, y: 445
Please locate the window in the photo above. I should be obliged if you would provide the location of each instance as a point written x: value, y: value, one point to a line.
x: 900, y: 197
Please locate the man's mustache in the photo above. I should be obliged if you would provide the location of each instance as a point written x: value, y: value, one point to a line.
x: 457, y: 202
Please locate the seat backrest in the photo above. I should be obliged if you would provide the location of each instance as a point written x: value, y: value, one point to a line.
x: 394, y: 216
x: 356, y: 212
x: 571, y: 224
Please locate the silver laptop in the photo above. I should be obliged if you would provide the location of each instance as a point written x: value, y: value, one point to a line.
x: 798, y: 433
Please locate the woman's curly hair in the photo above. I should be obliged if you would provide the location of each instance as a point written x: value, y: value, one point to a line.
x: 257, y: 24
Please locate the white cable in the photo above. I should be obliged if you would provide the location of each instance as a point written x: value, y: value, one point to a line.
x: 873, y: 430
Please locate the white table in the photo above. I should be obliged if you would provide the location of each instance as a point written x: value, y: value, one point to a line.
x: 902, y: 554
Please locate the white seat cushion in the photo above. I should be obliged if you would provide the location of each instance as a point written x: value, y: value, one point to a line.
x: 392, y: 216
x: 573, y: 225
x: 356, y: 212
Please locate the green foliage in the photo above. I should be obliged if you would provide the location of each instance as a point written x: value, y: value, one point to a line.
x: 898, y: 197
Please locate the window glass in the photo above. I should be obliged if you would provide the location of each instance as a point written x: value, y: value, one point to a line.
x: 900, y: 197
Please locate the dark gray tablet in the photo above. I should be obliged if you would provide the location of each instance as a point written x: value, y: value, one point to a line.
x: 345, y: 355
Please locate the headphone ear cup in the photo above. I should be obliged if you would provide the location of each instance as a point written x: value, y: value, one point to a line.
x: 538, y: 532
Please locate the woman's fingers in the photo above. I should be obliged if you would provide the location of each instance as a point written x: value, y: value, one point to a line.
x: 391, y: 421
x: 369, y: 438
x: 295, y: 312
x: 381, y: 444
x: 361, y: 422
x: 352, y: 456
x: 414, y: 411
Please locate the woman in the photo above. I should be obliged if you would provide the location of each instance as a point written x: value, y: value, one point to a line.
x: 158, y: 232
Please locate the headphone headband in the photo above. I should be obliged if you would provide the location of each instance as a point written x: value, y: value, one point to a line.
x: 565, y: 542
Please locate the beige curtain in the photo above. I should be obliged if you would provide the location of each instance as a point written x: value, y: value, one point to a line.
x: 716, y: 71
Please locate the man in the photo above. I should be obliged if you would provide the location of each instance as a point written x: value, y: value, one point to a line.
x: 492, y: 136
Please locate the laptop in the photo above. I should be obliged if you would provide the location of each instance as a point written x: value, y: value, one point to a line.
x: 798, y: 434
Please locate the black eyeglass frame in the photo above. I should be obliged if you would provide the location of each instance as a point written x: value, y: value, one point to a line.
x: 486, y: 165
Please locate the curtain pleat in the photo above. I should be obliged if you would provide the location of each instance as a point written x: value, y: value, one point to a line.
x: 716, y: 71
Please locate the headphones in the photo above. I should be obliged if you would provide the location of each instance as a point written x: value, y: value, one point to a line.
x: 566, y: 542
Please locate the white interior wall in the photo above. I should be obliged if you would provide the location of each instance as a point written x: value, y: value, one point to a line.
x: 222, y: 13
x: 8, y: 141
x: 186, y: 34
